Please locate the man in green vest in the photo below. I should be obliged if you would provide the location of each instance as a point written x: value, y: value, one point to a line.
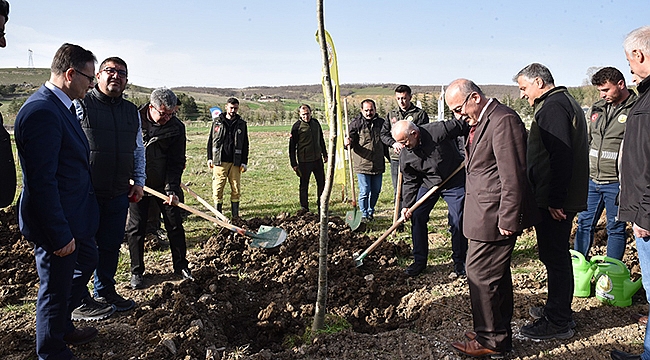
x: 606, y: 126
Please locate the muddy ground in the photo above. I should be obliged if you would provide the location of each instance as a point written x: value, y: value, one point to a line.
x: 258, y: 303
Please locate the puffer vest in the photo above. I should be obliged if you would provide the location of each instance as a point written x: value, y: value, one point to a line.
x: 111, y: 126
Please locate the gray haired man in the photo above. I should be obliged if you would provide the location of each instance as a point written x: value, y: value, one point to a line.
x: 164, y: 141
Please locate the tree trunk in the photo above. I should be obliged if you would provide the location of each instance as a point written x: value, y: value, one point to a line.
x: 321, y: 299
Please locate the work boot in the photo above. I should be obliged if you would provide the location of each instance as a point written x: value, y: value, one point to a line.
x: 219, y: 207
x: 235, y: 209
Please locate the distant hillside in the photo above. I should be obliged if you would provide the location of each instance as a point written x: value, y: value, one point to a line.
x: 310, y: 92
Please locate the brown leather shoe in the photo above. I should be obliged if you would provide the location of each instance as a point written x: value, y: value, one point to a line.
x: 470, y: 334
x: 641, y: 319
x: 473, y: 348
x: 81, y: 336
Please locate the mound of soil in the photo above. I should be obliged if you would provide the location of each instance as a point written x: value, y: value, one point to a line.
x: 258, y: 303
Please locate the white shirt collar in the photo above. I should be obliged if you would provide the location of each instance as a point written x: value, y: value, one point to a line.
x: 65, y: 99
x: 480, y: 117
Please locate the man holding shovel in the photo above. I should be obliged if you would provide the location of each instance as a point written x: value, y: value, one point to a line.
x: 164, y: 142
x: 367, y: 157
x: 429, y: 156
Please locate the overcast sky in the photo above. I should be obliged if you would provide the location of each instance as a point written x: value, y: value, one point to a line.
x: 271, y: 42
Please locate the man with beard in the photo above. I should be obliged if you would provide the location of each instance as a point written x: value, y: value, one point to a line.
x: 367, y: 157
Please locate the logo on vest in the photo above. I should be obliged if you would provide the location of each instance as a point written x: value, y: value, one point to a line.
x: 409, y: 118
x: 594, y: 116
x: 622, y: 119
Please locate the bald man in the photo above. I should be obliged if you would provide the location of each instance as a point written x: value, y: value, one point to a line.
x: 498, y: 206
x: 429, y: 156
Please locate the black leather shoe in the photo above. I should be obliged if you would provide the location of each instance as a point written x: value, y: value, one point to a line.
x: 186, y: 274
x: 415, y: 269
x: 81, y: 336
x: 620, y: 355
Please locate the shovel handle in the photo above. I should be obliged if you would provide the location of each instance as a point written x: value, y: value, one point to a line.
x: 349, y: 151
x: 194, y: 211
x: 205, y: 203
x: 402, y: 219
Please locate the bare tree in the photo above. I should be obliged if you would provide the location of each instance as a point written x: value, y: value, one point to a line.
x: 321, y: 298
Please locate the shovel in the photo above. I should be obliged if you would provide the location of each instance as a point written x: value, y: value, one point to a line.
x: 266, y: 237
x: 216, y: 212
x: 398, y: 196
x: 352, y: 217
x: 371, y: 248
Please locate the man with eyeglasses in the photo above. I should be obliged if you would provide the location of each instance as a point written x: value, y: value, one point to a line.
x: 558, y: 170
x: 58, y: 210
x: 164, y: 141
x: 227, y: 152
x: 7, y: 166
x: 428, y: 156
x: 112, y: 126
x: 499, y: 205
x: 405, y: 111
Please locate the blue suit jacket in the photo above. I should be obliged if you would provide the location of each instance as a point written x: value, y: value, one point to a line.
x: 57, y: 202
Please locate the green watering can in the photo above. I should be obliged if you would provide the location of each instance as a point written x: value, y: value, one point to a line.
x: 613, y: 284
x: 583, y: 270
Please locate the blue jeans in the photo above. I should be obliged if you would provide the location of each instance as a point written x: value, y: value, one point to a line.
x: 643, y: 249
x: 455, y: 198
x: 369, y: 188
x: 601, y: 197
x: 110, y: 236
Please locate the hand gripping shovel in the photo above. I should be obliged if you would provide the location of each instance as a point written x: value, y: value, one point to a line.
x: 266, y: 237
x: 371, y: 248
x: 352, y: 217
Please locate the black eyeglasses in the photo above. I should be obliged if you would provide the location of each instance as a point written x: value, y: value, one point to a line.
x: 90, y: 78
x: 112, y: 71
x: 162, y: 114
x: 459, y: 109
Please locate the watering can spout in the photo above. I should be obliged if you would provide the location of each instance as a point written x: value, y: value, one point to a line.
x: 631, y: 287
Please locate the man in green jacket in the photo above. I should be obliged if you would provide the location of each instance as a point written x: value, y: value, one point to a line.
x: 307, y: 153
x: 606, y: 125
x: 558, y: 170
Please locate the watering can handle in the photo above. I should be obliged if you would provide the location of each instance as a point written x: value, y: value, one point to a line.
x: 607, y: 259
x: 578, y: 255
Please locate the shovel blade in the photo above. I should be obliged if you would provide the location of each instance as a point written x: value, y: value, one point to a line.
x: 268, y: 237
x: 353, y: 218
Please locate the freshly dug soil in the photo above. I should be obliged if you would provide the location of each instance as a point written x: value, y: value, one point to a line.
x: 258, y: 303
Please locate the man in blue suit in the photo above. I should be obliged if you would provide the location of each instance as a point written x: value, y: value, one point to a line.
x: 58, y: 210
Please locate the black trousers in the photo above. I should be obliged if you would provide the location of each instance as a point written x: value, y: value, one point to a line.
x: 553, y: 243
x: 136, y: 229
x: 490, y: 291
x: 306, y: 169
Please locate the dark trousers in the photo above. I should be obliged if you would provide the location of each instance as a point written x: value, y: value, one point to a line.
x: 490, y: 291
x: 110, y: 236
x: 553, y: 243
x: 394, y: 175
x: 63, y: 282
x: 455, y: 198
x: 136, y: 229
x: 306, y: 169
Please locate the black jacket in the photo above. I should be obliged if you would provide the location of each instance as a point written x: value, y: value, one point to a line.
x: 635, y: 157
x: 7, y: 168
x: 217, y: 138
x: 165, y: 152
x: 413, y: 113
x: 429, y: 163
